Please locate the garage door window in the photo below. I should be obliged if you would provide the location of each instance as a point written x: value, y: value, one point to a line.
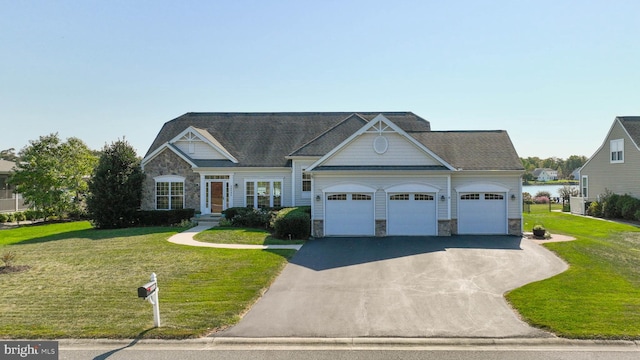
x: 493, y: 197
x: 399, y: 197
x: 337, y: 197
x: 360, y: 197
x: 422, y: 197
x: 470, y: 197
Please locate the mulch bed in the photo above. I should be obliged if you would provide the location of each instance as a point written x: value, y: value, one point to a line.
x: 13, y: 269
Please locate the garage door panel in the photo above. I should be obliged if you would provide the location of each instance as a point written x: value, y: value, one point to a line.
x: 349, y: 214
x: 482, y: 213
x: 411, y: 214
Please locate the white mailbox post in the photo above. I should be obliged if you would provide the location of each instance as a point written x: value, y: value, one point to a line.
x: 149, y: 291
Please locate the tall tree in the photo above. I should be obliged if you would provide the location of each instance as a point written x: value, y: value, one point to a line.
x: 51, y: 174
x: 116, y: 187
x: 9, y: 154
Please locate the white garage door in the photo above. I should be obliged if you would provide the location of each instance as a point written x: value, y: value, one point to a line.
x: 411, y: 214
x: 349, y: 214
x: 482, y: 213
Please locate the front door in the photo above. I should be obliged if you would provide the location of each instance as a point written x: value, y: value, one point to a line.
x: 217, y: 197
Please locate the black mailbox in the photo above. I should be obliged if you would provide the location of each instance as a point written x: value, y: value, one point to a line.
x: 147, y: 289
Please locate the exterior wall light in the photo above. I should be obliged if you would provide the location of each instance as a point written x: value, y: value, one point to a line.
x: 442, y: 198
x: 317, y: 197
x: 513, y: 196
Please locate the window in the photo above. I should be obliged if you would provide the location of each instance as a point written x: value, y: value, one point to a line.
x: 169, y: 193
x: 470, y: 197
x: 422, y: 197
x: 337, y: 197
x: 306, y: 181
x: 493, y: 197
x: 263, y: 194
x: 585, y: 187
x: 399, y: 197
x: 617, y: 150
x: 360, y: 197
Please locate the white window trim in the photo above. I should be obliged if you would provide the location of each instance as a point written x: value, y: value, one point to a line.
x: 584, y: 190
x: 616, y: 146
x: 168, y: 179
x: 271, y: 192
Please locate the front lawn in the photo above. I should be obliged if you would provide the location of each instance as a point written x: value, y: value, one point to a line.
x: 599, y: 296
x: 244, y: 236
x: 82, y: 283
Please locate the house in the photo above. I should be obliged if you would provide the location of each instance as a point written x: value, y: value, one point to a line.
x: 616, y: 164
x: 545, y: 174
x: 362, y: 173
x: 9, y: 201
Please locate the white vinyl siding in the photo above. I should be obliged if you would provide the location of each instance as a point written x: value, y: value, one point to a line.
x: 400, y: 151
x: 201, y: 150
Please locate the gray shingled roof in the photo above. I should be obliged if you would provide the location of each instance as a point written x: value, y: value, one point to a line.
x: 6, y: 166
x: 632, y: 125
x: 265, y: 139
x: 472, y: 150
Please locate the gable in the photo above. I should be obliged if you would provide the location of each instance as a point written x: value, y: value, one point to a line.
x: 199, y: 144
x: 626, y: 128
x: 380, y: 143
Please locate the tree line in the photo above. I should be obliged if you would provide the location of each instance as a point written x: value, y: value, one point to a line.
x: 564, y: 166
x: 67, y: 179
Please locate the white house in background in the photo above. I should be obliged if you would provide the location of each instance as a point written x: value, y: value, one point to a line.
x: 362, y: 174
x: 9, y: 201
x: 615, y: 166
x: 545, y: 174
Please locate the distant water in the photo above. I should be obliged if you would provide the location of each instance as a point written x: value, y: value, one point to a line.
x: 552, y: 189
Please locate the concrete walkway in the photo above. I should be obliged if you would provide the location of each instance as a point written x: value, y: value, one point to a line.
x: 186, y: 238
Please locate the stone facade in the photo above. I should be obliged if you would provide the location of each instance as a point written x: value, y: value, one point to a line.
x: 318, y: 229
x: 444, y: 227
x: 168, y: 163
x: 515, y: 227
x: 454, y: 226
x: 381, y: 227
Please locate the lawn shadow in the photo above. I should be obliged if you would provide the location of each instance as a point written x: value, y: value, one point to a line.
x: 96, y: 234
x: 131, y: 344
x: 330, y: 253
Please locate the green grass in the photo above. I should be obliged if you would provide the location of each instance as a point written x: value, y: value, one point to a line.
x: 82, y: 283
x: 245, y: 236
x: 599, y: 296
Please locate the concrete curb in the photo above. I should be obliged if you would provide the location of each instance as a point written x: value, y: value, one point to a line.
x: 348, y: 343
x: 186, y: 238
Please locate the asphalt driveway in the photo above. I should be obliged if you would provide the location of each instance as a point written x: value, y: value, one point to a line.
x: 400, y: 287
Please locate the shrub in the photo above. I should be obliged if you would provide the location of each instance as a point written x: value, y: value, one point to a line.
x: 628, y: 206
x: 543, y: 193
x: 19, y: 216
x: 3, y: 218
x: 163, y: 217
x: 32, y: 214
x: 8, y: 258
x: 609, y: 206
x: 595, y: 209
x: 526, y: 197
x: 11, y: 217
x: 230, y: 213
x: 256, y: 218
x: 541, y: 200
x: 294, y: 222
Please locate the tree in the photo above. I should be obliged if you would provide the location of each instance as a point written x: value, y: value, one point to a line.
x: 9, y: 155
x: 116, y: 187
x: 51, y: 175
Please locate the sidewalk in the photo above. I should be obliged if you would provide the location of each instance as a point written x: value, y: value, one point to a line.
x: 186, y: 238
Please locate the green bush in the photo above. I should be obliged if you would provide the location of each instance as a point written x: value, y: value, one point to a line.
x: 595, y: 209
x: 3, y: 218
x: 255, y: 218
x: 19, y: 216
x: 609, y: 206
x: 628, y: 206
x: 11, y: 217
x: 294, y: 222
x: 32, y: 214
x: 230, y: 213
x: 163, y: 217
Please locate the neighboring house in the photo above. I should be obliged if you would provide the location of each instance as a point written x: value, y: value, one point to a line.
x: 615, y: 166
x: 545, y: 174
x: 9, y: 202
x: 362, y: 173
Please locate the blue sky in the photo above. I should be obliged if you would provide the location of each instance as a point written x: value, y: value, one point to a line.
x: 554, y: 74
